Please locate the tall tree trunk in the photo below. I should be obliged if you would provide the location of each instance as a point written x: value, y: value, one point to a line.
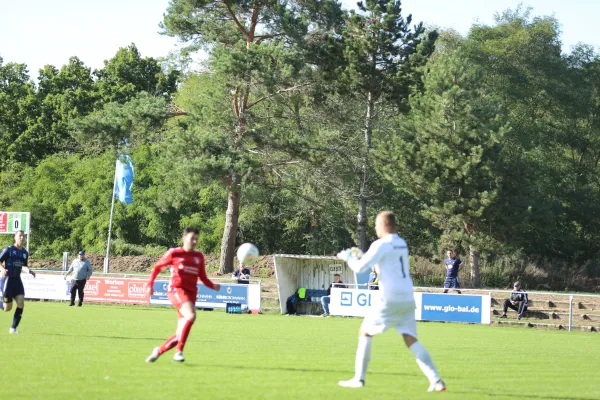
x: 474, y: 261
x: 361, y: 217
x: 240, y: 106
x: 231, y: 224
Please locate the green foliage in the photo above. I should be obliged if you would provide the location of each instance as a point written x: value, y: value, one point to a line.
x: 381, y: 51
x: 127, y: 74
x: 489, y: 140
x: 139, y: 120
x: 447, y: 152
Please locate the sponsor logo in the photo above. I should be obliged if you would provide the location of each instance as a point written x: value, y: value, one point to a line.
x: 136, y: 289
x: 336, y: 269
x: 92, y: 288
x: 361, y: 300
x: 458, y: 308
x: 346, y: 299
x: 189, y: 270
x: 451, y: 308
x: 229, y: 290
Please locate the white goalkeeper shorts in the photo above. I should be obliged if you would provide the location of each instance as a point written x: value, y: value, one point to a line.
x: 385, y: 316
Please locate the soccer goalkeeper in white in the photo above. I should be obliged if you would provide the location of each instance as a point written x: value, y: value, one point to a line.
x: 396, y: 309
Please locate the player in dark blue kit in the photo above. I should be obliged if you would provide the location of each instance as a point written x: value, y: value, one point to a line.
x: 12, y: 260
x: 452, y: 264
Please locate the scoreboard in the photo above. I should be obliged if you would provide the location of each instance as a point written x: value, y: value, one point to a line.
x: 10, y: 222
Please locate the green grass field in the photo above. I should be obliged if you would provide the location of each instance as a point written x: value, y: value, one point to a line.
x: 98, y: 352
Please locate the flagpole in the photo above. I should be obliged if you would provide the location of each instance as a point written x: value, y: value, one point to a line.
x: 112, y: 208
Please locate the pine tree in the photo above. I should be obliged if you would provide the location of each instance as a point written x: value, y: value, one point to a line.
x: 381, y: 55
x: 259, y: 51
x: 448, y: 151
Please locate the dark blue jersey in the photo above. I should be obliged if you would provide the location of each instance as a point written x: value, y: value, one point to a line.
x: 14, y: 259
x: 452, y: 267
x: 244, y: 271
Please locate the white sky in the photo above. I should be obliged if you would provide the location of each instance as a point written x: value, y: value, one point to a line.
x: 40, y: 32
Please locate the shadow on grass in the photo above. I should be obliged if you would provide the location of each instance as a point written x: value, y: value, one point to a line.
x: 161, y: 339
x: 98, y: 336
x: 297, y: 369
x: 525, y: 396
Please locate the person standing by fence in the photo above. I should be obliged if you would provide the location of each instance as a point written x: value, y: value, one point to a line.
x: 373, y: 283
x: 452, y: 265
x: 82, y: 271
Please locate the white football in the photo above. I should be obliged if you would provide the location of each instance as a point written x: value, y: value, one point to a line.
x: 247, y: 253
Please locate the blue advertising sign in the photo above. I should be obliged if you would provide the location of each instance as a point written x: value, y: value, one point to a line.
x: 448, y: 307
x: 160, y: 291
x: 207, y: 298
x: 227, y: 294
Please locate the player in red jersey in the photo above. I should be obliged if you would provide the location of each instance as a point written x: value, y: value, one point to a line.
x: 187, y: 266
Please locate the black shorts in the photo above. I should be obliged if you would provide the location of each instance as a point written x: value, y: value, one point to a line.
x: 12, y: 287
x: 451, y: 283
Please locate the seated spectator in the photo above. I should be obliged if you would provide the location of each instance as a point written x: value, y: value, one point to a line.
x: 518, y: 302
x: 325, y: 300
x: 242, y: 274
x: 373, y: 280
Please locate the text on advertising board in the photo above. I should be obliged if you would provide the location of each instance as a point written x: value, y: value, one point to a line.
x: 441, y: 307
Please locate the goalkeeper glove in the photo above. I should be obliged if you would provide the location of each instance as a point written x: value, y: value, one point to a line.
x: 344, y: 255
x: 347, y: 254
x: 356, y: 252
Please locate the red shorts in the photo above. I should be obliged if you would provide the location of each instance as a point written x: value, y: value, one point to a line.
x: 179, y: 296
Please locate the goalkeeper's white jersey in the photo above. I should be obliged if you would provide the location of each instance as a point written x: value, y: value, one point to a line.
x: 389, y: 255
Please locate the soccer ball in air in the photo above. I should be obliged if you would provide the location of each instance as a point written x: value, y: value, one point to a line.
x: 247, y: 253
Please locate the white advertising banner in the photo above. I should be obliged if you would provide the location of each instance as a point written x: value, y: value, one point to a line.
x: 429, y: 306
x: 352, y: 302
x: 47, y: 287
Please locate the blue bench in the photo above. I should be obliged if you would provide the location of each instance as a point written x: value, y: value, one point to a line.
x: 314, y: 295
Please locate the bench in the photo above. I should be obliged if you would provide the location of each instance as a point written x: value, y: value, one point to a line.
x: 314, y: 295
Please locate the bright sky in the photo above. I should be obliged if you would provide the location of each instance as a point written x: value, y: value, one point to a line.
x: 40, y: 32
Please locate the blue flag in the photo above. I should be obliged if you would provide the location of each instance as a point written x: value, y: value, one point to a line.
x: 124, y: 179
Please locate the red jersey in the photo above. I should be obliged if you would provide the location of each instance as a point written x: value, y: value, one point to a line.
x: 186, y: 268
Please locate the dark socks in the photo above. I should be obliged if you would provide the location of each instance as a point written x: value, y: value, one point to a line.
x: 17, y: 317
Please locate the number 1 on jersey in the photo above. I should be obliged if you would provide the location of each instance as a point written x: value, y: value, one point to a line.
x: 402, y: 266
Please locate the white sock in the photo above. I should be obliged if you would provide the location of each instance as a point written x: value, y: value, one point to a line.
x: 425, y: 362
x: 363, y: 355
x: 180, y: 324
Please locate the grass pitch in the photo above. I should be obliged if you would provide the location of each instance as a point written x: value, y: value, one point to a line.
x: 98, y: 352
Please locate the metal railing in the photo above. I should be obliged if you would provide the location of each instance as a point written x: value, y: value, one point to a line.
x: 570, y: 296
